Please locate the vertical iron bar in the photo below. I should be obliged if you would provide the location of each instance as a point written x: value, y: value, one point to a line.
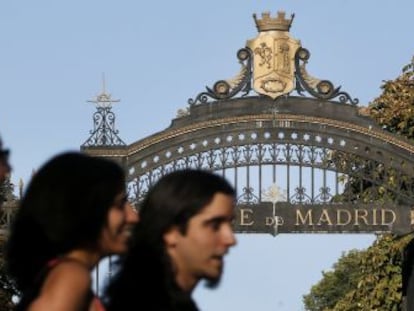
x: 313, y: 157
x: 288, y: 170
x: 300, y: 173
x: 260, y: 173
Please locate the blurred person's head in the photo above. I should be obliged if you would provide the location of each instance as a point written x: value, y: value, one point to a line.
x: 74, y: 201
x: 189, y: 213
x: 4, y: 163
x: 184, y: 232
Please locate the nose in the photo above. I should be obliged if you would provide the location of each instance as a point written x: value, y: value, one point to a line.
x: 229, y: 238
x: 132, y: 216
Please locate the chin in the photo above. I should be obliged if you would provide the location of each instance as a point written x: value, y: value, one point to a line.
x: 213, y: 282
x: 213, y: 279
x: 122, y: 250
x: 118, y: 250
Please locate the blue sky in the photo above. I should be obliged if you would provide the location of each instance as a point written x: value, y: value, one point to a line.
x: 158, y: 54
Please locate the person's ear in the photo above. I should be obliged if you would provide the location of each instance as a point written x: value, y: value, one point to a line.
x: 171, y: 236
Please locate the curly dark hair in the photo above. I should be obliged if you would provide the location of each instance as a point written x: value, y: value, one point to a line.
x: 65, y: 207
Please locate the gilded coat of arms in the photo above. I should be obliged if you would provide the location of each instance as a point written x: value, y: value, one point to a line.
x: 273, y: 56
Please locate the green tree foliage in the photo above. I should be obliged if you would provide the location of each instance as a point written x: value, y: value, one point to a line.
x: 367, y: 280
x: 371, y: 280
x: 369, y: 181
x: 379, y: 286
x: 394, y: 109
x: 343, y: 277
x: 365, y: 180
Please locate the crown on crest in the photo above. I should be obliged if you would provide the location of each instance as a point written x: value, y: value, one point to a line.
x: 270, y: 23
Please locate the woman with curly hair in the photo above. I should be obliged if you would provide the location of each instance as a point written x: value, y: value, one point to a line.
x: 74, y: 212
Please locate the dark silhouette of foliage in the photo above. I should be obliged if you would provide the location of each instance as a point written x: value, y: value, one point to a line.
x: 7, y: 288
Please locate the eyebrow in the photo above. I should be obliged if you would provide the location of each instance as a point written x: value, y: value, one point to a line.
x: 219, y: 219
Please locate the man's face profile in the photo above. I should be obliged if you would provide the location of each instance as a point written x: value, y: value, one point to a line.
x: 199, y: 252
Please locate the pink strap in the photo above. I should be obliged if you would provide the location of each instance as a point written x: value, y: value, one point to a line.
x: 53, y: 262
x: 98, y: 304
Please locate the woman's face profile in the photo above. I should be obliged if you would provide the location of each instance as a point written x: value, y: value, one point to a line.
x: 116, y: 232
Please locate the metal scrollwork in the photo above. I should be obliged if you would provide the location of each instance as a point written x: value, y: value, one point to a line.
x: 225, y: 89
x: 300, y: 196
x: 324, y: 195
x: 104, y: 132
x: 248, y: 196
x: 322, y: 89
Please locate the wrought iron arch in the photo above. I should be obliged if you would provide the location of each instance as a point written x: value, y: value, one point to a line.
x: 247, y: 138
x: 276, y: 144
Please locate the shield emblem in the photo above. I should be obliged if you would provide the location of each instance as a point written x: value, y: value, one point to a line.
x: 273, y: 63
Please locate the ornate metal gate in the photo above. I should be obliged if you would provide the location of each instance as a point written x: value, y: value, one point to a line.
x: 314, y: 163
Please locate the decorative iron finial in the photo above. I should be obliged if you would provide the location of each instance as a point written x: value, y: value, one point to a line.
x: 103, y: 99
x: 268, y: 23
x: 104, y: 132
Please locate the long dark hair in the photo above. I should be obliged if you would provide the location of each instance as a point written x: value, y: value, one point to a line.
x: 146, y: 279
x: 65, y: 207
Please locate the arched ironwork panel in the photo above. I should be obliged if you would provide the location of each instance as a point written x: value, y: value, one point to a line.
x: 309, y: 149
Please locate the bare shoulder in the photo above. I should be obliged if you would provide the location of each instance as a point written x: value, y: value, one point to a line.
x: 71, y: 272
x: 65, y: 288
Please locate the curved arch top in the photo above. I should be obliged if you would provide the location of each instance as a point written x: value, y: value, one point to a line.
x: 257, y: 142
x: 251, y: 120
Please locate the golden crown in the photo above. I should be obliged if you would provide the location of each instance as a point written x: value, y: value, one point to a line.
x: 270, y: 23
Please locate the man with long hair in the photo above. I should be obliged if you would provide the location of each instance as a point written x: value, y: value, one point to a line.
x: 183, y: 235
